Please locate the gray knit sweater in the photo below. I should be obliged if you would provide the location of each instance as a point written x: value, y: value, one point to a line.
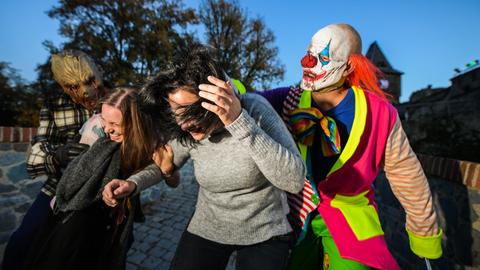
x: 243, y: 173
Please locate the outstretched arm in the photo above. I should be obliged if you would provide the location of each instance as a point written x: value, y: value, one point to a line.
x: 166, y: 161
x: 276, y: 97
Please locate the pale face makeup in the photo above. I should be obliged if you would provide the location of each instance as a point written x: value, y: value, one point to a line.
x: 327, y: 56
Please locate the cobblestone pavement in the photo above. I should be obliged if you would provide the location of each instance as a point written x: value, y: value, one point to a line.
x: 156, y: 239
x: 167, y: 212
x: 166, y: 218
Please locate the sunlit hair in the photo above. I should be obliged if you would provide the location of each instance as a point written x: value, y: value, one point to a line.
x: 365, y: 74
x: 140, y: 136
x: 187, y: 71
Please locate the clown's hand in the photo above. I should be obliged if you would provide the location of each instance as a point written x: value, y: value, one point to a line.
x: 225, y: 102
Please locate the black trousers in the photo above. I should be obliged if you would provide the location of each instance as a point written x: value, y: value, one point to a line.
x: 32, y: 223
x: 79, y: 243
x: 194, y: 252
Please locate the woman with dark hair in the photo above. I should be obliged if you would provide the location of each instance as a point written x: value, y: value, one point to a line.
x: 84, y: 233
x: 244, y: 162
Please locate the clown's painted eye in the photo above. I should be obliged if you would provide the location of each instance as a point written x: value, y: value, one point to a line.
x: 324, y: 58
x: 324, y: 55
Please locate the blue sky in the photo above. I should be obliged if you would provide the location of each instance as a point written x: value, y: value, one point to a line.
x: 424, y: 39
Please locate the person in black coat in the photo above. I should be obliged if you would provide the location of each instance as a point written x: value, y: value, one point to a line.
x: 84, y: 233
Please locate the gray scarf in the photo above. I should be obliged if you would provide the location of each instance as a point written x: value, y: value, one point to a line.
x: 82, y: 182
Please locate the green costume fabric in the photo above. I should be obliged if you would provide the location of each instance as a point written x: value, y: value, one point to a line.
x: 318, y: 251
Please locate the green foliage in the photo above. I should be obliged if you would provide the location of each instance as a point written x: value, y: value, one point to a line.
x: 19, y: 105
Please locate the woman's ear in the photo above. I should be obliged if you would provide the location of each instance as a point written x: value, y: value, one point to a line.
x: 349, y: 69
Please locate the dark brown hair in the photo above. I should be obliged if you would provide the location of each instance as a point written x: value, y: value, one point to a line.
x: 188, y: 69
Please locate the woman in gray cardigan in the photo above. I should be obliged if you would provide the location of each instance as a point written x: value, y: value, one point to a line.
x: 244, y: 160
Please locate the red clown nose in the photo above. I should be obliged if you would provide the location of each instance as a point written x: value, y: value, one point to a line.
x: 309, y: 61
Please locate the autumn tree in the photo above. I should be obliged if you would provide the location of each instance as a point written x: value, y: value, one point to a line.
x: 129, y: 39
x: 245, y: 46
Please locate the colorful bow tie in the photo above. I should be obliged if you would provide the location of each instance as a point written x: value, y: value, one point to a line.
x: 303, y: 123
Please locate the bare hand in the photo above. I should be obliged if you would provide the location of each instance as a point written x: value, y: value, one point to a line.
x: 117, y: 189
x: 163, y: 158
x: 226, y: 103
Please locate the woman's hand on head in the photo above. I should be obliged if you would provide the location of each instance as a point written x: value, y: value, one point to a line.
x: 163, y: 158
x: 117, y: 189
x: 225, y: 102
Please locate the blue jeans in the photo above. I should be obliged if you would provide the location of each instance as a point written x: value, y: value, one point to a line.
x: 20, y: 240
x: 194, y: 252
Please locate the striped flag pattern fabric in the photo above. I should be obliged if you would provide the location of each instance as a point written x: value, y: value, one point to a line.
x: 302, y: 203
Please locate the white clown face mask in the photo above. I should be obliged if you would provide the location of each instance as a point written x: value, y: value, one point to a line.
x: 327, y: 57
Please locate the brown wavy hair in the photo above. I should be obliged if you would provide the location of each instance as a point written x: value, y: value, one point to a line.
x: 140, y: 136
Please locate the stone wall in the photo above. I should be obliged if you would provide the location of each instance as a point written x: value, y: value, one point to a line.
x: 445, y: 122
x: 455, y: 188
x: 17, y: 190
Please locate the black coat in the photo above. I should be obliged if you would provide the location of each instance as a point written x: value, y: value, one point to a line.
x: 83, y: 233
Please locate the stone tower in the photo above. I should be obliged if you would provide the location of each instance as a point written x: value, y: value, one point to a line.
x: 391, y: 83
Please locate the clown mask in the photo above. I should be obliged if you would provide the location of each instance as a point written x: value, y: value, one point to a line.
x: 79, y: 77
x: 327, y: 57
